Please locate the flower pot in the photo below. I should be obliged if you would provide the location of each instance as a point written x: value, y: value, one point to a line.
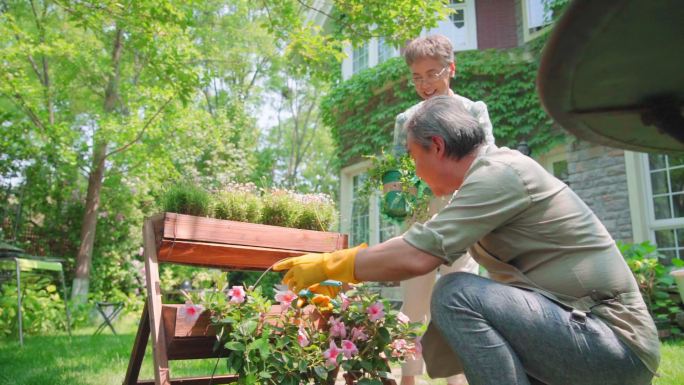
x: 394, y: 202
x: 679, y: 278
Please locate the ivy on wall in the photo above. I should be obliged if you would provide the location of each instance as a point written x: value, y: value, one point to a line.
x: 361, y: 110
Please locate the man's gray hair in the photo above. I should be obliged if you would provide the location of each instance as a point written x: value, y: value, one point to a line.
x: 446, y: 117
x: 434, y: 46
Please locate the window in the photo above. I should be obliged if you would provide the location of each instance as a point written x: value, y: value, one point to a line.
x: 458, y: 16
x: 460, y: 27
x: 360, y: 58
x: 385, y: 51
x: 359, y: 213
x: 666, y: 201
x: 536, y: 16
x: 360, y: 217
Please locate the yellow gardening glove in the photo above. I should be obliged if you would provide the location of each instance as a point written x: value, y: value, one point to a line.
x: 313, y: 268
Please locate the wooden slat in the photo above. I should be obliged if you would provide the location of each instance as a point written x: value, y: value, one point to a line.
x: 154, y: 303
x: 139, y: 346
x: 221, y: 255
x: 200, y: 229
x: 223, y: 379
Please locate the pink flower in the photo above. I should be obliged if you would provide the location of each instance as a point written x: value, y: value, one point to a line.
x: 337, y: 328
x: 302, y: 338
x: 237, y: 294
x: 403, y: 318
x: 398, y: 347
x: 357, y: 334
x: 285, y: 297
x: 191, y: 312
x: 331, y: 354
x: 349, y: 349
x: 345, y: 302
x: 376, y: 311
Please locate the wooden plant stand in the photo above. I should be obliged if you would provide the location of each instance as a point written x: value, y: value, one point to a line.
x: 229, y: 245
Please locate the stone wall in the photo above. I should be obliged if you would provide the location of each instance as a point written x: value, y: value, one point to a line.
x: 597, y: 174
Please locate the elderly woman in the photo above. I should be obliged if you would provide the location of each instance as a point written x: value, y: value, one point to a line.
x: 431, y: 61
x: 561, y: 307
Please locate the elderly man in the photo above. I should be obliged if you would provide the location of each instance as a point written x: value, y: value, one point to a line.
x: 561, y: 307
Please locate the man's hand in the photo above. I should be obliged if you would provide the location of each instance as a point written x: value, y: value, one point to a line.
x: 313, y: 268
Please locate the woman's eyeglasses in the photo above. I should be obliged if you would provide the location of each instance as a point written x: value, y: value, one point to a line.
x: 431, y: 78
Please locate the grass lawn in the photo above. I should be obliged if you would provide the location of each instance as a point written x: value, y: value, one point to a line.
x: 102, y: 360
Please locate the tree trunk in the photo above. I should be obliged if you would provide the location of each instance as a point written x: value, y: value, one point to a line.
x: 81, y: 284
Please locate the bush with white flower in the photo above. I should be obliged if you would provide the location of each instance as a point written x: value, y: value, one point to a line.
x: 298, y: 341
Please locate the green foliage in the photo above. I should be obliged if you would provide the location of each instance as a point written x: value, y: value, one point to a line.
x: 655, y: 282
x: 238, y: 204
x: 312, y: 49
x: 280, y: 209
x: 42, y: 306
x: 242, y: 202
x: 187, y: 199
x: 361, y: 110
x: 293, y: 344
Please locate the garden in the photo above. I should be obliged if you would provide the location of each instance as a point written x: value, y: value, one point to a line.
x: 157, y: 157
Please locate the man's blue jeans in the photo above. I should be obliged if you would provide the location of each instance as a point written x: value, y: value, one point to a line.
x: 507, y: 335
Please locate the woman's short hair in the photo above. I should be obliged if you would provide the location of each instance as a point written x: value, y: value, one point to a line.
x: 433, y: 46
x: 446, y: 116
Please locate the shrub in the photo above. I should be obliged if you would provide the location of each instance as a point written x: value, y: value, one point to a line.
x: 280, y: 209
x: 317, y: 212
x: 238, y: 203
x: 42, y: 306
x: 187, y: 199
x: 298, y: 344
x: 655, y: 282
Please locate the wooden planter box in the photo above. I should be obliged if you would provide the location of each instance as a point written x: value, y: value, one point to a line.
x: 200, y: 241
x: 235, y: 245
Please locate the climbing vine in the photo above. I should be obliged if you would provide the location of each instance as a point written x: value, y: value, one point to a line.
x: 361, y: 110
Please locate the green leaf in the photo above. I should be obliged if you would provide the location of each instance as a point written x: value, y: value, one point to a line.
x: 321, y: 372
x: 384, y: 335
x: 367, y: 366
x: 235, y: 346
x: 264, y: 374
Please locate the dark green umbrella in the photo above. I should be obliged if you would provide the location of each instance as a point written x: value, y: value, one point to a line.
x: 612, y: 73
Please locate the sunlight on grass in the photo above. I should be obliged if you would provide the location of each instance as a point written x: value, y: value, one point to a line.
x: 85, y: 359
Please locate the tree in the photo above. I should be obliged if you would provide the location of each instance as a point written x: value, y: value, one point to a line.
x: 299, y: 147
x: 107, y: 70
x: 102, y: 101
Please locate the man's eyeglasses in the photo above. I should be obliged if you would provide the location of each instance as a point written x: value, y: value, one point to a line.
x: 431, y: 78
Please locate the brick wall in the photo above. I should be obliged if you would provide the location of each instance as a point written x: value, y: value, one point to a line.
x: 496, y: 23
x: 597, y: 174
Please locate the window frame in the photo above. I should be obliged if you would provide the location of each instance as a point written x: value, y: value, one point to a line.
x: 527, y: 35
x: 356, y: 66
x: 644, y: 223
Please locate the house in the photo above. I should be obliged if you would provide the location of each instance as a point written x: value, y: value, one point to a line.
x: 639, y: 197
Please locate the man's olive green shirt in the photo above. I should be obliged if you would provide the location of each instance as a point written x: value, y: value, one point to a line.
x: 529, y: 230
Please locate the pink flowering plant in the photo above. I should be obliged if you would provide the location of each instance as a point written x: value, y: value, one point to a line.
x: 292, y: 340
